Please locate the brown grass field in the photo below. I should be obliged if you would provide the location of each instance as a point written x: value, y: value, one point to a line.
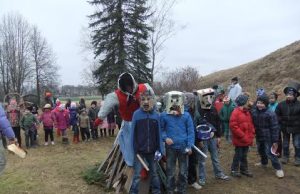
x: 57, y: 170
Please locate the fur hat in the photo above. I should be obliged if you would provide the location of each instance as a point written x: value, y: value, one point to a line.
x: 241, y: 100
x: 264, y: 99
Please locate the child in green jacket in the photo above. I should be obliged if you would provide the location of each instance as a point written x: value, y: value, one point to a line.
x: 225, y: 114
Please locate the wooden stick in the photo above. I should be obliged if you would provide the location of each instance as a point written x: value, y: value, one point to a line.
x: 142, y: 162
x: 199, y: 151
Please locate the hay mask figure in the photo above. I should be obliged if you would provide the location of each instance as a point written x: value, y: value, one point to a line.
x: 147, y: 101
x: 174, y: 102
x: 206, y: 98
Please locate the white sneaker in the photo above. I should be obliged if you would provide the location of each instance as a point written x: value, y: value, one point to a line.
x: 52, y: 142
x: 46, y: 143
x: 279, y: 173
x: 196, y: 186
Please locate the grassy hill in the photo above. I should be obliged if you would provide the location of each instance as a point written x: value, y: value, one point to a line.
x: 271, y: 72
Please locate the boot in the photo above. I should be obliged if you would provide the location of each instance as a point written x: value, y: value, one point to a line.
x: 65, y: 140
x: 58, y: 132
x: 77, y: 138
x: 101, y: 132
x: 113, y: 132
x: 109, y: 132
x: 247, y: 173
x: 105, y: 133
x: 74, y: 139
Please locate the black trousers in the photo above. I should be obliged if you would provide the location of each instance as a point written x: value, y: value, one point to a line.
x: 240, y: 159
x: 85, y: 134
x: 48, y: 132
x: 192, y: 168
x: 17, y: 131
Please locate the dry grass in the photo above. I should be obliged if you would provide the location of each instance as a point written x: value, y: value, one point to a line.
x: 58, y: 169
x: 271, y: 72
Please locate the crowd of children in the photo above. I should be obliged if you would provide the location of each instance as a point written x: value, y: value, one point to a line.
x: 56, y: 116
x: 189, y: 121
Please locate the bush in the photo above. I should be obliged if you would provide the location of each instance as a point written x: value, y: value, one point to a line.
x: 91, y: 176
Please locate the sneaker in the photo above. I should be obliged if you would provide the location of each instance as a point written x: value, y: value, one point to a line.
x: 46, y: 143
x: 279, y: 173
x: 201, y: 182
x: 235, y: 174
x: 196, y: 186
x: 247, y: 173
x: 259, y: 164
x: 223, y: 177
x: 284, y: 160
x: 52, y: 142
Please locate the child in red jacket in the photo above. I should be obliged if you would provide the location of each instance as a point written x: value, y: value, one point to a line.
x: 243, y: 132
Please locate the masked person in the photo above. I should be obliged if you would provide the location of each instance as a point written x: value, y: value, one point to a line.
x: 126, y: 97
x: 209, y: 117
x: 146, y: 141
x: 178, y: 134
x: 288, y: 112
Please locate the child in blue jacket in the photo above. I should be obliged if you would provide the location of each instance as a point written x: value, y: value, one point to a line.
x: 146, y: 141
x: 179, y: 135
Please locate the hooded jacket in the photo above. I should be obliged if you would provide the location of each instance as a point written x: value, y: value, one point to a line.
x: 289, y: 116
x: 242, y: 127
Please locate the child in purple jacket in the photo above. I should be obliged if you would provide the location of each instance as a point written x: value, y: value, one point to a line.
x: 62, y: 122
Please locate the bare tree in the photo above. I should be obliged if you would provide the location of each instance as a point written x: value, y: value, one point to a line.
x: 14, y: 40
x: 184, y: 79
x: 163, y: 27
x: 87, y: 52
x: 43, y: 62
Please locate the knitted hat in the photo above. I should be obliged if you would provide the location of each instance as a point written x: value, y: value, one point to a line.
x: 264, y: 99
x: 241, y: 100
x: 47, y: 106
x: 73, y: 104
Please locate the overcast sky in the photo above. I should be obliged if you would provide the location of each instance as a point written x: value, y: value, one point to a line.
x: 218, y: 34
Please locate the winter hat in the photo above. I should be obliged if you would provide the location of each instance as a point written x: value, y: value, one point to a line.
x: 264, y: 99
x: 235, y: 79
x: 292, y: 88
x: 260, y: 91
x: 73, y: 104
x: 241, y: 100
x: 47, y: 106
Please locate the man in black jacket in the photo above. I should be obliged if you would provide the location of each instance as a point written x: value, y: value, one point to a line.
x: 288, y: 112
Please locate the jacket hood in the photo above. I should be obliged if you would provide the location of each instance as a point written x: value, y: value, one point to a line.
x: 126, y: 79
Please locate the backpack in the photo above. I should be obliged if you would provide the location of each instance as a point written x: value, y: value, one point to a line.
x: 14, y: 118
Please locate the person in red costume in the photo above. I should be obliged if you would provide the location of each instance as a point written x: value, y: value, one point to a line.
x: 126, y: 97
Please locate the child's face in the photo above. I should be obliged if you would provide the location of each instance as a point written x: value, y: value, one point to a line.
x: 226, y: 102
x: 290, y: 97
x: 93, y: 106
x: 260, y: 105
x: 272, y: 99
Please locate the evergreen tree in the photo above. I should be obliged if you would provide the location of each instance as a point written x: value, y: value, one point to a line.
x: 120, y: 41
x: 138, y: 45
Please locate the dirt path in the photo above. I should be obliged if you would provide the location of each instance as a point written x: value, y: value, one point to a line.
x: 57, y: 170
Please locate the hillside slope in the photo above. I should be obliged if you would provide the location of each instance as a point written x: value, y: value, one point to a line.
x: 271, y: 72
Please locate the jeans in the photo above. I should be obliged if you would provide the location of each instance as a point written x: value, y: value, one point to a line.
x: 264, y: 150
x: 211, y: 146
x: 2, y: 157
x: 48, y: 132
x: 240, y: 159
x: 192, y: 171
x: 286, y: 145
x: 155, y: 183
x: 172, y: 156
